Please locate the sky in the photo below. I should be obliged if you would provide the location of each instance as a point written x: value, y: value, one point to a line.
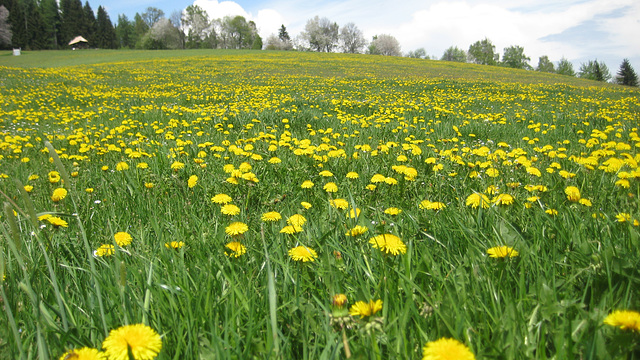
x: 578, y: 30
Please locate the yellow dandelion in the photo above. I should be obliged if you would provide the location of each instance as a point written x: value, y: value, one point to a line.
x: 339, y: 203
x: 624, y: 319
x: 28, y: 188
x: 352, y: 175
x: 326, y: 173
x: 275, y: 160
x: 122, y: 238
x: 476, y: 199
x: 236, y: 228
x: 89, y: 190
x: 623, y: 217
x: 370, y: 187
x: 501, y: 252
x: 357, y: 230
x: 142, y: 165
x: 362, y: 309
x: 236, y: 249
x: 105, y: 250
x: 174, y: 244
x: 296, y: 220
x: 585, y: 202
x: 330, y: 187
x: 446, y: 349
x: 503, y: 199
x: 573, y: 193
x: 85, y: 353
x: 56, y: 221
x: 307, y: 184
x: 377, y: 178
x: 59, y: 194
x: 230, y: 209
x: 192, y: 182
x: 177, y: 165
x: 353, y: 213
x: 339, y: 300
x: 303, y: 253
x: 221, y: 199
x: 552, y: 212
x: 121, y: 166
x: 306, y: 205
x: 143, y: 342
x: 388, y: 244
x: 149, y: 185
x: 271, y: 216
x: 54, y: 177
x: 623, y: 183
x: 392, y: 211
x: 390, y: 181
x: 492, y: 172
x: 291, y: 229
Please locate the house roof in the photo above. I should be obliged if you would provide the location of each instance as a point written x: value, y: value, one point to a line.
x: 77, y: 39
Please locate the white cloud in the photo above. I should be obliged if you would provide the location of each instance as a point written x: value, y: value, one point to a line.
x: 218, y: 10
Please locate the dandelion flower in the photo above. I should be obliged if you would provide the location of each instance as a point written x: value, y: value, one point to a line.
x: 28, y: 188
x: 624, y: 319
x: 390, y: 181
x: 501, y: 252
x: 236, y: 228
x: 370, y: 187
x: 221, y: 199
x: 143, y: 342
x: 142, y: 165
x: 552, y: 212
x: 303, y: 253
x: 307, y: 184
x: 59, y: 194
x: 296, y: 220
x: 339, y: 203
x: 392, y: 211
x: 275, y: 160
x: 339, y: 300
x: 271, y: 216
x: 573, y: 193
x: 623, y: 183
x: 446, y: 349
x: 330, y: 187
x: 492, y: 172
x: 362, y: 309
x: 230, y: 209
x: 236, y: 249
x: 149, y: 185
x: 623, y: 217
x: 388, y: 244
x: 377, y: 178
x: 122, y: 238
x: 352, y: 175
x: 326, y: 173
x: 54, y: 177
x: 56, y: 221
x: 503, y: 199
x: 476, y: 199
x: 89, y: 190
x: 357, y: 230
x: 193, y: 181
x: 291, y: 229
x: 121, y: 166
x: 85, y: 353
x: 306, y: 205
x: 353, y: 213
x: 105, y: 250
x: 177, y: 165
x: 174, y: 244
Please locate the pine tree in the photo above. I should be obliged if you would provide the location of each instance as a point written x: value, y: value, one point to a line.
x: 626, y: 75
x: 89, y: 24
x: 124, y: 32
x: 51, y: 18
x: 72, y: 20
x: 106, y: 34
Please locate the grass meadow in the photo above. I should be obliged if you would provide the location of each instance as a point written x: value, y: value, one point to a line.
x: 270, y: 205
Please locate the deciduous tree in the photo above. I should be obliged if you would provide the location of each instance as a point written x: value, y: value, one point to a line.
x: 352, y: 39
x: 5, y: 28
x: 321, y: 34
x: 565, y: 67
x: 453, y: 53
x: 483, y: 52
x: 514, y: 57
x: 545, y: 65
x: 594, y: 70
x: 385, y: 45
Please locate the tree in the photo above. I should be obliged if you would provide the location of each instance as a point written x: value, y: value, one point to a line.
x: 283, y: 35
x: 626, y: 75
x: 176, y: 21
x: 453, y: 53
x: 89, y: 24
x: 385, y: 45
x: 514, y: 57
x: 72, y: 21
x: 483, y: 52
x: 140, y: 28
x: 238, y: 33
x: 321, y: 34
x: 152, y: 15
x: 105, y: 33
x: 162, y: 35
x: 545, y: 65
x: 594, y: 70
x: 51, y: 18
x: 420, y: 53
x: 196, y: 20
x: 124, y: 32
x: 352, y: 39
x: 5, y: 28
x: 565, y: 67
x: 275, y: 43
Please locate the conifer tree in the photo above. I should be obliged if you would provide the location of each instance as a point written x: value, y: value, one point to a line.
x: 626, y: 75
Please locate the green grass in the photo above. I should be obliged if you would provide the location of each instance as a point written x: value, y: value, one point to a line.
x: 449, y: 122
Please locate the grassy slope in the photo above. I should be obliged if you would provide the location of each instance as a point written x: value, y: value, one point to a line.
x: 416, y: 67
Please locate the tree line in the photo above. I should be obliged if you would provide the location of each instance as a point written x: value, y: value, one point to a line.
x: 51, y: 24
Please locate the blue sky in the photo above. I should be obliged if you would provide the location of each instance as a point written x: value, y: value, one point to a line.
x: 608, y: 30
